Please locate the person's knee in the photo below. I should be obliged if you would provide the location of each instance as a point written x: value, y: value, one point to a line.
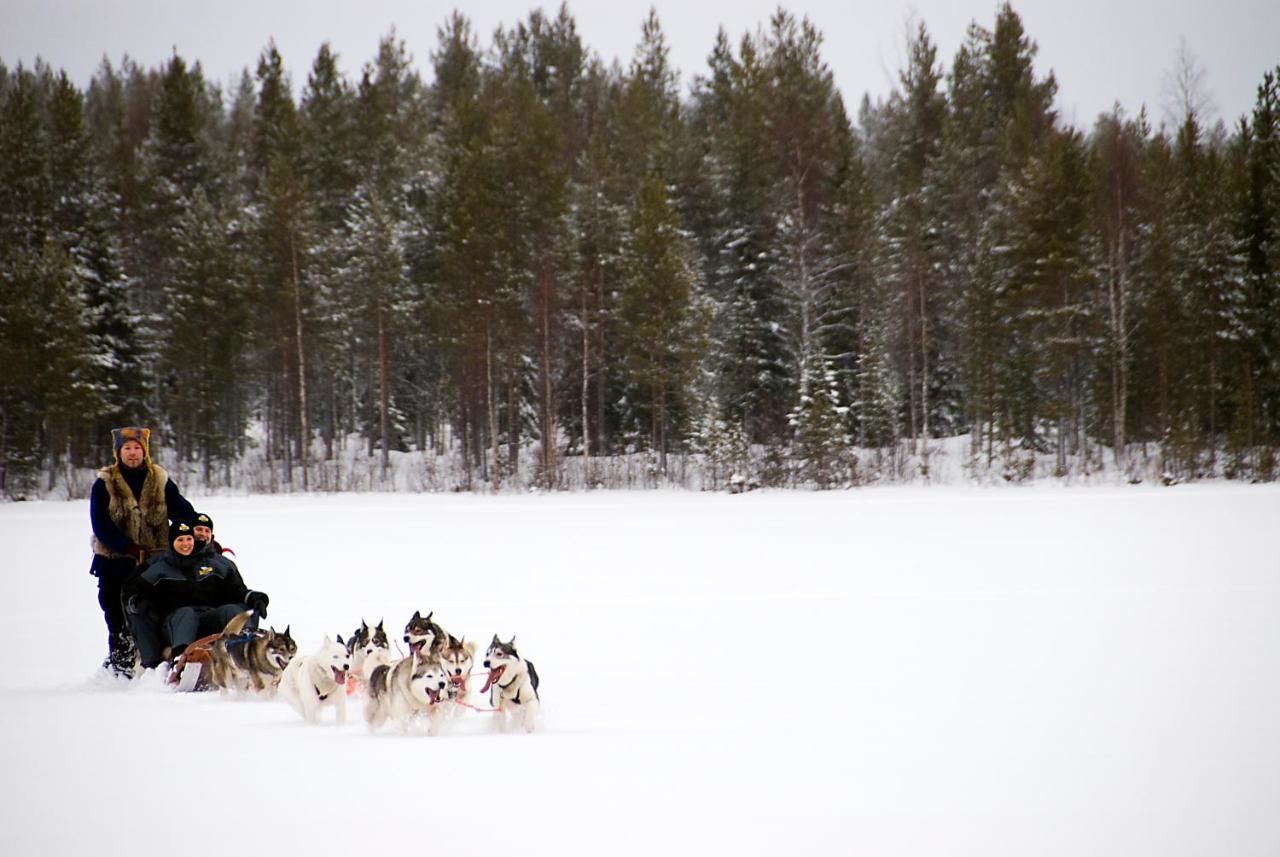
x: 183, y: 622
x: 183, y: 614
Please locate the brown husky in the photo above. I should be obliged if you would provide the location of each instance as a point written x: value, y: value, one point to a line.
x: 459, y: 657
x: 253, y: 660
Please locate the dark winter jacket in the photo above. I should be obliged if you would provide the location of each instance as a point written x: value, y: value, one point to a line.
x: 133, y: 506
x: 214, y: 546
x: 203, y: 579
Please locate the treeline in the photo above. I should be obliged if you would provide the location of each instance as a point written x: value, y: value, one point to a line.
x: 539, y: 255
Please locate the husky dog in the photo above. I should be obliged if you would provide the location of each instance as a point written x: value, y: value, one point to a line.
x: 514, y: 684
x: 369, y: 648
x: 426, y: 639
x: 410, y: 688
x: 459, y: 657
x: 253, y: 660
x: 312, y: 681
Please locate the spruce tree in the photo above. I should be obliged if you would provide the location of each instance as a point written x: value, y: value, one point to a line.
x: 750, y: 357
x: 597, y: 211
x: 821, y: 446
x: 1052, y: 295
x: 26, y: 254
x: 472, y: 307
x: 661, y: 318
x: 1259, y: 385
x: 529, y: 143
x: 912, y: 225
x: 327, y: 166
x: 283, y: 248
x: 204, y: 361
x: 1000, y: 114
x: 109, y: 381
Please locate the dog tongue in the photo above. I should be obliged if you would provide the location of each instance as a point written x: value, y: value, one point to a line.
x: 339, y: 676
x: 494, y: 675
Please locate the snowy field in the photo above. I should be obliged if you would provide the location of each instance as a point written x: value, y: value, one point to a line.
x: 913, y: 671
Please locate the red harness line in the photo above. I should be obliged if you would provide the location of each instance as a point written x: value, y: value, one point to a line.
x: 473, y: 708
x: 353, y: 683
x: 458, y: 680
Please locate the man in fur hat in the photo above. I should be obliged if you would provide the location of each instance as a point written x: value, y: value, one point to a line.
x: 130, y: 507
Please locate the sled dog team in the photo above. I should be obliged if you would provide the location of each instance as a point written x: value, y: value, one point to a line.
x: 425, y: 688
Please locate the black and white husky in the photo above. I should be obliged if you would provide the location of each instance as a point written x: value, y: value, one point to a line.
x: 512, y: 685
x: 369, y: 649
x: 410, y: 689
x: 318, y: 680
x: 426, y: 639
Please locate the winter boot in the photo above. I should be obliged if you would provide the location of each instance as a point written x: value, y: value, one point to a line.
x: 123, y: 657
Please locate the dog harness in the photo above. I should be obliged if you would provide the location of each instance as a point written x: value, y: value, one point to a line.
x: 516, y: 698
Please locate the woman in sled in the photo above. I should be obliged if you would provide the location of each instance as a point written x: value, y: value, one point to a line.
x: 184, y: 595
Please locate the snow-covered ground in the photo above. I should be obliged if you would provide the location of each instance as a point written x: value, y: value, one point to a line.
x: 911, y: 671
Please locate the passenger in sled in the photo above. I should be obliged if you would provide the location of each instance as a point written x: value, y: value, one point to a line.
x: 187, y: 593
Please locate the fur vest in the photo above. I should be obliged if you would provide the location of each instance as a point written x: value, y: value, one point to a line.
x: 143, y: 519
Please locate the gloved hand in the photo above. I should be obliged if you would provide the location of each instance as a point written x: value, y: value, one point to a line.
x: 257, y: 602
x: 138, y: 606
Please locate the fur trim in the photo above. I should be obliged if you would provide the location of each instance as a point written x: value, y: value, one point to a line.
x: 143, y: 519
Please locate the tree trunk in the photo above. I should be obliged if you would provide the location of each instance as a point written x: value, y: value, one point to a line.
x: 586, y: 390
x: 662, y: 427
x: 513, y: 423
x: 384, y: 391
x: 1117, y: 295
x: 465, y: 437
x: 602, y: 433
x: 284, y: 435
x: 548, y: 401
x: 303, y: 420
x: 491, y: 404
x: 911, y: 381
x: 1213, y: 404
x: 331, y: 423
x: 924, y: 372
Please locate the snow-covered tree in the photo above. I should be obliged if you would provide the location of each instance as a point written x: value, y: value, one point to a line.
x: 821, y: 446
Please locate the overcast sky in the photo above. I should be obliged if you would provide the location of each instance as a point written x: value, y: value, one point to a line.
x: 1101, y: 51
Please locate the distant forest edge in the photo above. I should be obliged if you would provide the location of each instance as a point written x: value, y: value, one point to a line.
x: 541, y: 270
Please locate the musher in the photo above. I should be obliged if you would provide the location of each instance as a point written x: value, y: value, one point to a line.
x: 130, y: 506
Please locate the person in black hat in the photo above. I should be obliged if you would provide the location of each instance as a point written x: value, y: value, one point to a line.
x: 130, y: 506
x: 184, y: 595
x: 203, y: 526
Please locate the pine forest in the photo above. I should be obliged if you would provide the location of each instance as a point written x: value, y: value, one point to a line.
x: 521, y: 267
